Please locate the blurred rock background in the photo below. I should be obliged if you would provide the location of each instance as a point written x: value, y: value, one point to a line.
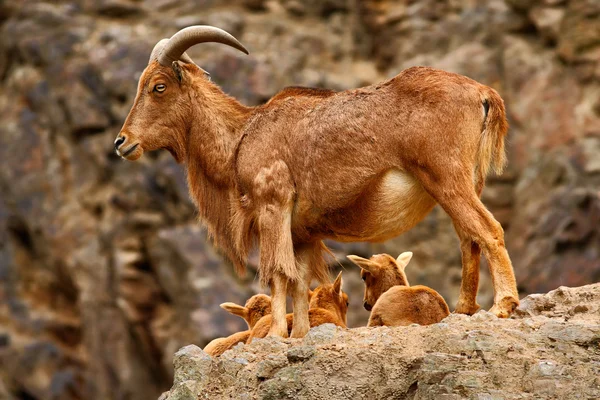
x: 104, y: 272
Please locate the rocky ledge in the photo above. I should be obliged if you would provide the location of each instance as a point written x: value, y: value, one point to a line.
x: 550, y: 348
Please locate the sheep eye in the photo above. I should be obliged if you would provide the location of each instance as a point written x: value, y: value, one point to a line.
x: 364, y: 278
x: 347, y: 303
x: 160, y: 88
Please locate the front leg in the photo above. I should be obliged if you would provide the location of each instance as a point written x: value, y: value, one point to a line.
x: 278, y: 303
x: 273, y: 196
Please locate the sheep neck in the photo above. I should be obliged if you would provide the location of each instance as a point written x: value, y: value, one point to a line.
x: 214, y: 133
x: 212, y: 137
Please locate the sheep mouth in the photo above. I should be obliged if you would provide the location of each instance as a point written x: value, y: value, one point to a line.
x: 129, y: 151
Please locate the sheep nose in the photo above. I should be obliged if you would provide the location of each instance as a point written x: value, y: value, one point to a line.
x: 119, y: 141
x: 367, y: 306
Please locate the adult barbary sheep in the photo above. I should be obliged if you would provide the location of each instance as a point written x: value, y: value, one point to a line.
x: 389, y: 297
x: 255, y: 308
x: 358, y: 165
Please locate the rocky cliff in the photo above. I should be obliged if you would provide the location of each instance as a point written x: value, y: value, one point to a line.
x: 549, y: 350
x: 104, y: 272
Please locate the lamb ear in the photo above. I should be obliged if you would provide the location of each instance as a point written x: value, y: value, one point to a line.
x: 310, y: 294
x: 337, y: 284
x: 364, y: 263
x: 235, y: 309
x: 403, y: 259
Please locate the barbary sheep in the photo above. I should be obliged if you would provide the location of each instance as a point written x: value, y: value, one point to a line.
x: 328, y: 304
x: 255, y: 308
x: 389, y: 297
x: 363, y: 164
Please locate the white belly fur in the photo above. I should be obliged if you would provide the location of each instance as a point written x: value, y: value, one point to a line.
x: 399, y: 204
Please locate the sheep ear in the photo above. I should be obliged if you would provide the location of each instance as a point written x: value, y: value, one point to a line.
x: 235, y: 309
x: 177, y: 69
x: 337, y: 284
x: 403, y: 259
x: 364, y: 263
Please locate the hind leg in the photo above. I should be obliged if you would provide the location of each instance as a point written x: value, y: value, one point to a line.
x: 300, y: 290
x: 310, y: 264
x: 454, y: 191
x: 471, y: 256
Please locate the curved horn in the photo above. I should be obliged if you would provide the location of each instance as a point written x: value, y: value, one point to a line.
x: 187, y: 37
x: 160, y: 46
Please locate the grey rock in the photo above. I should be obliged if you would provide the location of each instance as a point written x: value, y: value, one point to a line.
x: 321, y: 334
x: 185, y: 390
x: 300, y: 353
x: 192, y: 364
x: 267, y: 368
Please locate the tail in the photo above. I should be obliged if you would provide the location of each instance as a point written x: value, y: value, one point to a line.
x: 491, y: 147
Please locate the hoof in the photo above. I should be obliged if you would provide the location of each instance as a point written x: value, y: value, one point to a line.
x: 298, y: 333
x: 468, y: 309
x: 277, y: 332
x: 505, y: 307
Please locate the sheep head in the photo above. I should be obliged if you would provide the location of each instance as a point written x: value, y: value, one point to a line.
x: 381, y: 272
x: 255, y: 308
x: 331, y: 297
x: 160, y: 115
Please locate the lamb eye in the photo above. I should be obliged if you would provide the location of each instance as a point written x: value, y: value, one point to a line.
x: 364, y: 278
x: 160, y: 88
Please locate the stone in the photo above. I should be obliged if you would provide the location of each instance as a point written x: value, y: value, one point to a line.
x: 548, y: 20
x: 300, y: 353
x: 267, y: 368
x: 185, y: 390
x: 483, y: 315
x: 192, y: 364
x: 320, y: 334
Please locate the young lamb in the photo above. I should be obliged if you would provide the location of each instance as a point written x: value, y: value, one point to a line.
x: 327, y: 304
x: 256, y: 307
x: 389, y: 297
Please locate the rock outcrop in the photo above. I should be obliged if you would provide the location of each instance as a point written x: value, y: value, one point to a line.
x: 549, y: 350
x: 104, y: 270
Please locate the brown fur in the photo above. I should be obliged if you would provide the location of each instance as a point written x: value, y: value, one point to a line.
x: 220, y: 345
x: 328, y: 304
x: 403, y: 305
x: 255, y: 308
x: 357, y: 165
x: 390, y: 298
